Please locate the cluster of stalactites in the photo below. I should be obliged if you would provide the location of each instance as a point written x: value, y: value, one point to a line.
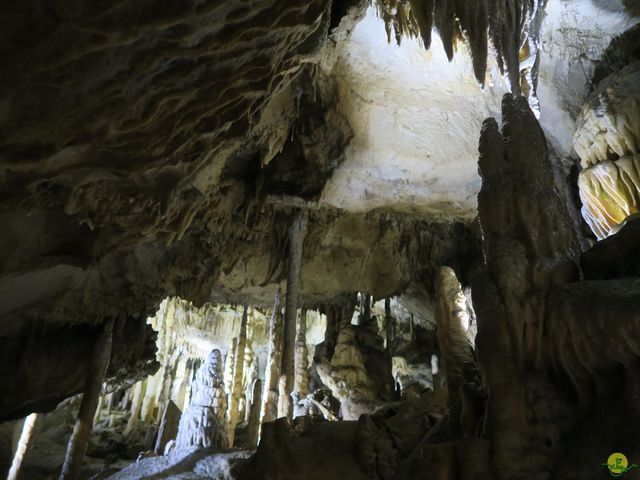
x: 512, y: 26
x: 607, y: 140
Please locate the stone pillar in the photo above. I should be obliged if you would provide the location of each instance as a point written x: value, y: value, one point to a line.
x: 269, y: 410
x: 283, y: 400
x: 229, y: 364
x: 96, y: 372
x: 203, y: 424
x: 168, y: 426
x: 301, y: 384
x: 139, y: 390
x: 26, y: 437
x: 297, y: 232
x: 236, y: 389
x: 253, y: 428
x: 452, y: 320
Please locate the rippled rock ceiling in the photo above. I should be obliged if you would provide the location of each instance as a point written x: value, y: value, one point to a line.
x: 151, y: 149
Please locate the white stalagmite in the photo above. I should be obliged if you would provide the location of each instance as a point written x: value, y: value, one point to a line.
x: 26, y: 437
x: 96, y: 371
x: 229, y: 363
x: 236, y: 389
x: 203, y: 424
x: 269, y: 410
x: 139, y: 390
x: 453, y: 320
x: 297, y: 232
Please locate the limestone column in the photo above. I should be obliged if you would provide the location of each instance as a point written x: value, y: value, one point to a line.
x: 452, y: 320
x: 236, y: 389
x: 274, y: 357
x: 297, y: 232
x: 253, y: 429
x: 139, y: 390
x: 26, y: 437
x: 229, y: 363
x: 301, y: 384
x: 168, y: 426
x: 95, y: 375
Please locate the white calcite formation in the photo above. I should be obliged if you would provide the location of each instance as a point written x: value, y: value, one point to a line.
x: 358, y: 372
x: 607, y: 139
x: 203, y: 423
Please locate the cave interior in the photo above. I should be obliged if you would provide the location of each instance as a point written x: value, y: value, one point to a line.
x: 323, y: 239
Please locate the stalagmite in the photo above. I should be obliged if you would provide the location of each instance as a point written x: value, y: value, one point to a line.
x: 297, y: 232
x: 250, y: 374
x: 269, y: 410
x: 229, y: 363
x: 452, y: 319
x: 253, y: 428
x: 168, y: 426
x: 301, y: 384
x: 96, y: 371
x: 26, y: 437
x: 202, y: 423
x: 236, y: 388
x: 283, y: 400
x: 139, y: 390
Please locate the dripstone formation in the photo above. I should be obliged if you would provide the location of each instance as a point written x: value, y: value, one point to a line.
x: 256, y: 239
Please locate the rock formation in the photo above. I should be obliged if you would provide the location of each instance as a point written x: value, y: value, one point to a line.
x: 162, y: 163
x: 297, y: 232
x: 96, y: 371
x: 607, y: 139
x: 238, y: 370
x: 357, y: 370
x: 26, y: 437
x: 269, y: 410
x: 204, y: 423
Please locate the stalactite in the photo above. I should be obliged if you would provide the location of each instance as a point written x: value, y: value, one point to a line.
x: 269, y: 410
x: 297, y: 232
x: 301, y: 384
x: 22, y: 449
x: 333, y: 321
x: 512, y: 25
x: 388, y: 323
x: 283, y: 400
x: 365, y: 310
x: 250, y: 374
x: 253, y: 423
x: 236, y: 389
x: 95, y: 375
